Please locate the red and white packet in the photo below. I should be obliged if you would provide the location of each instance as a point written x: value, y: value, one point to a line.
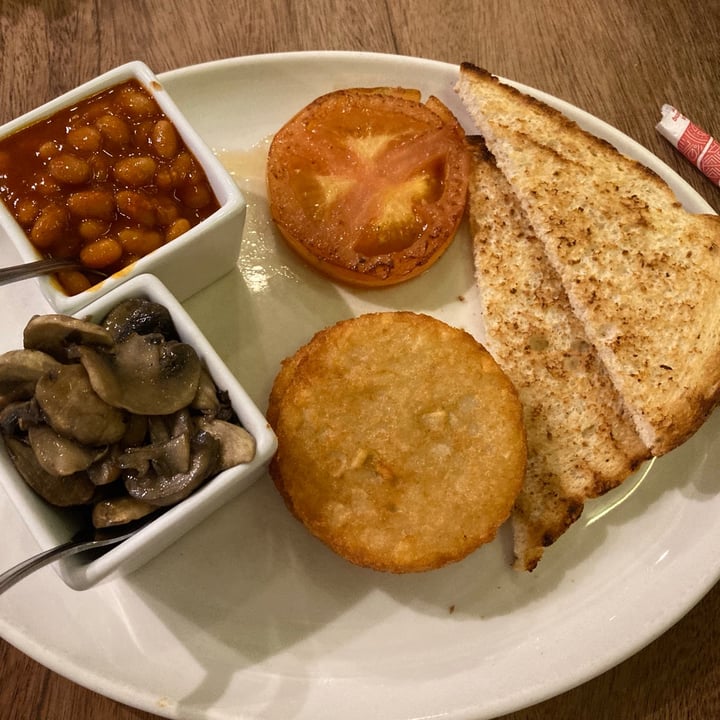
x: 692, y: 141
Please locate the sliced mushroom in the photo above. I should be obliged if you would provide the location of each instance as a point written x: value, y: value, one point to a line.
x: 167, y: 458
x: 59, y: 455
x: 18, y: 417
x: 144, y: 376
x: 237, y: 445
x: 180, y: 423
x: 166, y: 490
x: 74, y: 409
x: 141, y: 316
x: 57, y: 334
x: 206, y: 399
x: 106, y: 470
x: 164, y: 427
x: 226, y: 411
x: 158, y: 428
x: 61, y: 491
x: 119, y: 511
x: 135, y: 431
x: 168, y: 449
x: 19, y: 371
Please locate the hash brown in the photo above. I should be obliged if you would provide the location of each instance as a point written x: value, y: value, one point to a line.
x: 401, y: 442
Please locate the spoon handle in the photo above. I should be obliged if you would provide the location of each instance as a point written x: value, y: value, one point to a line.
x: 32, y: 269
x: 21, y: 570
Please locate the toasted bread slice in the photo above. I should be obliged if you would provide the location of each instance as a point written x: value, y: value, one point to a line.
x: 641, y: 273
x: 581, y: 442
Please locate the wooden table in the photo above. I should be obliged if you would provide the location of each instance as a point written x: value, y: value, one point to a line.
x: 620, y: 60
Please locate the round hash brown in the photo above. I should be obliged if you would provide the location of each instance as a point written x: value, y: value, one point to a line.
x: 401, y: 442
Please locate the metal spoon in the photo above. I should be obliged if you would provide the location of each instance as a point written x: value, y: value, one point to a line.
x: 78, y: 544
x: 42, y: 267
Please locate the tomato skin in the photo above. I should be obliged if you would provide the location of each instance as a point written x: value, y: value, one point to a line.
x: 369, y: 185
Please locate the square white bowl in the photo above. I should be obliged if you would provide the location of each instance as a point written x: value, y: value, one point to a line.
x: 52, y: 526
x: 186, y: 264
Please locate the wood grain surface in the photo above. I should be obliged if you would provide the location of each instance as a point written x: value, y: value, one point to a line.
x: 618, y: 59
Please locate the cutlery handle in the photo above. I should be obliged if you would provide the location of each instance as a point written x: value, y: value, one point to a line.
x: 24, y: 568
x: 21, y: 570
x: 32, y: 269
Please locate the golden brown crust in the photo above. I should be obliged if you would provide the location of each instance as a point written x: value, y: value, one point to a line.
x: 400, y: 441
x: 641, y: 273
x: 581, y: 443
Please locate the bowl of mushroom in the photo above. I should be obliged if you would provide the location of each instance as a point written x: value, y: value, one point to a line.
x: 123, y: 414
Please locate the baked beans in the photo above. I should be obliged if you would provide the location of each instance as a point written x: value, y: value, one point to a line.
x: 106, y: 182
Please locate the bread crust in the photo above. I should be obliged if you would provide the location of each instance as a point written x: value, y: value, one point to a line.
x: 400, y: 441
x: 641, y: 273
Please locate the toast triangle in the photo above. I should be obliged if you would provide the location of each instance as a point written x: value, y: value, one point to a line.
x: 581, y: 442
x: 640, y: 272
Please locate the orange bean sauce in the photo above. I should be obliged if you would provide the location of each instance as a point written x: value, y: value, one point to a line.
x: 105, y: 182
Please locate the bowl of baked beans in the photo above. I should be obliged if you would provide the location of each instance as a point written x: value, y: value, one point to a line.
x: 113, y: 176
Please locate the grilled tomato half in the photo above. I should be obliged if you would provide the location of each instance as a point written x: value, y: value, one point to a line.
x: 369, y: 185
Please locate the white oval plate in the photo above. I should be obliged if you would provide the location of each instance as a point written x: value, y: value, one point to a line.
x: 248, y: 616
